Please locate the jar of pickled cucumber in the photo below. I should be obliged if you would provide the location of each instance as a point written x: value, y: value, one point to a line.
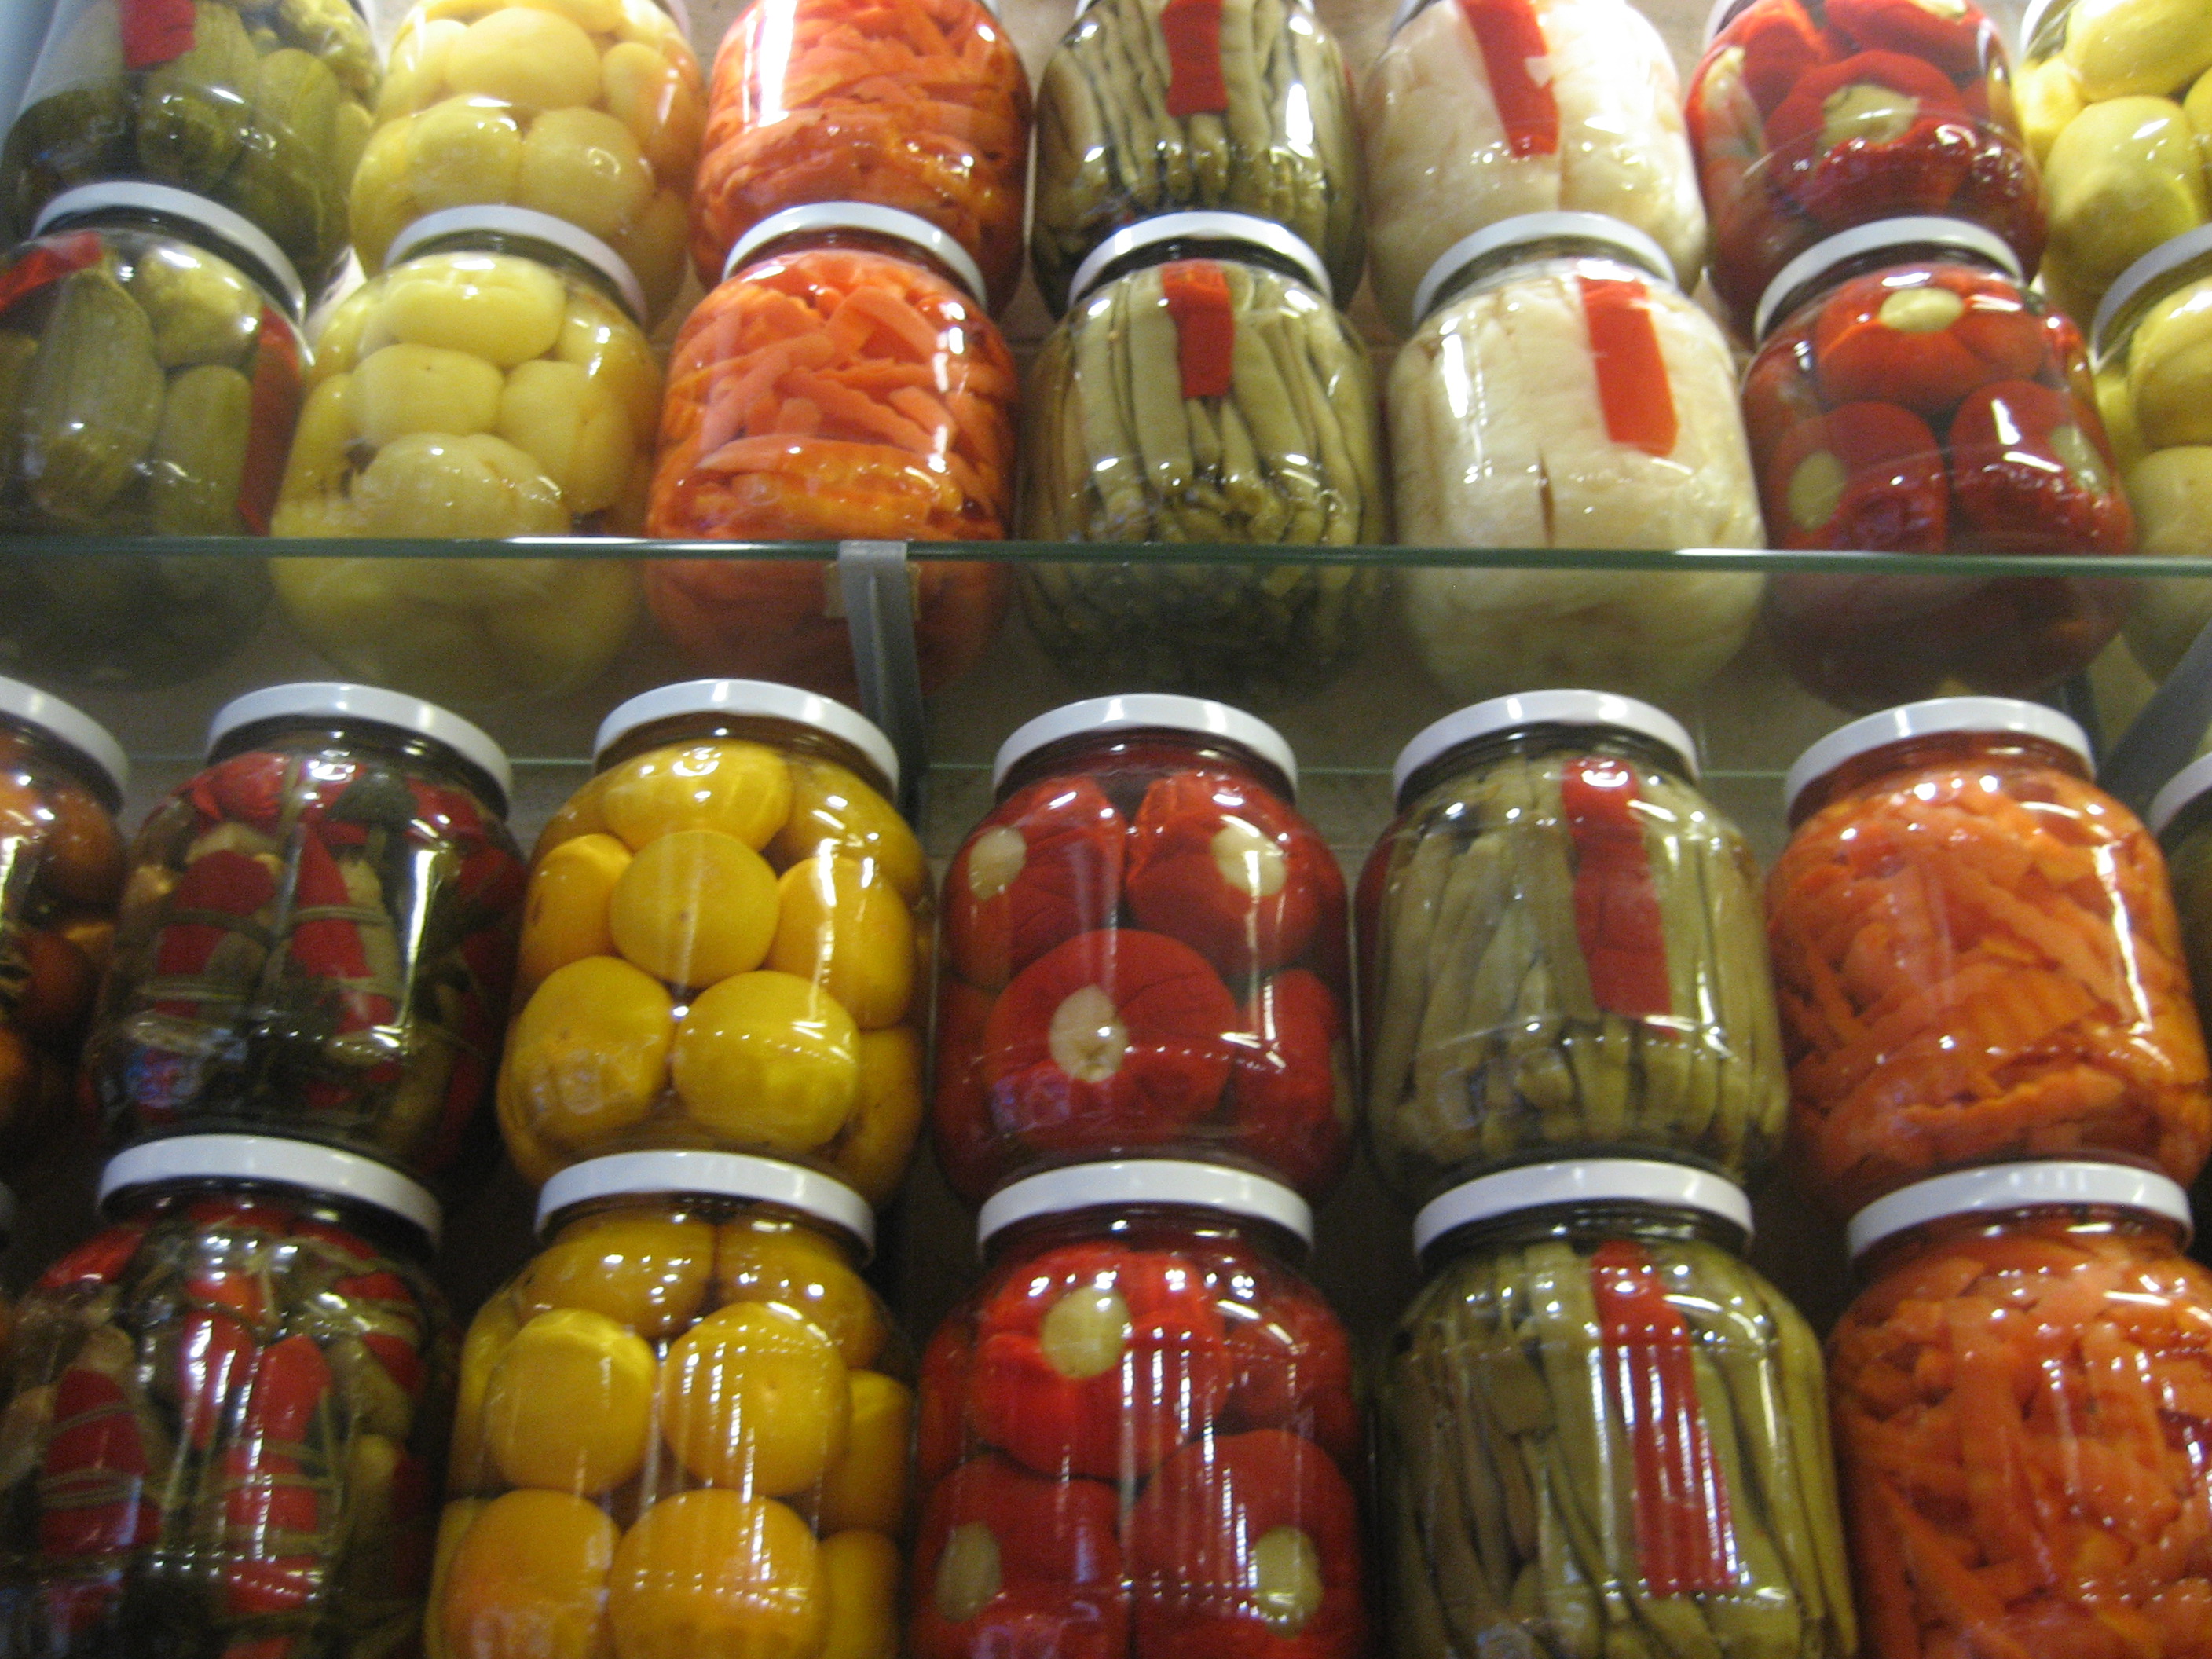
x: 2032, y: 1333
x: 228, y: 1410
x: 843, y: 383
x: 1144, y: 954
x: 725, y: 945
x: 1602, y: 1432
x: 263, y: 107
x: 587, y: 110
x: 684, y: 1428
x: 1137, y: 1433
x: 317, y: 934
x: 1976, y: 957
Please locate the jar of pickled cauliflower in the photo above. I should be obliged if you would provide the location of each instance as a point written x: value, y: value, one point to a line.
x: 1593, y: 1413
x: 1561, y: 391
x: 1144, y: 954
x: 1139, y: 1426
x: 725, y: 945
x: 2032, y: 1330
x: 228, y: 1410
x: 589, y: 110
x: 317, y: 934
x: 682, y: 1429
x: 843, y: 383
x: 1976, y: 956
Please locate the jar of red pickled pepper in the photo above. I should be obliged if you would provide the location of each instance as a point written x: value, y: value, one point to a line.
x: 843, y: 383
x: 1976, y: 957
x: 2023, y: 1408
x: 1910, y: 395
x: 1137, y: 1434
x: 1143, y: 953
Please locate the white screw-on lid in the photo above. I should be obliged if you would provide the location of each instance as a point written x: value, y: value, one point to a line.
x: 1929, y: 719
x: 1206, y: 225
x: 70, y: 725
x: 297, y: 1164
x: 1144, y: 1180
x: 739, y: 699
x: 1582, y: 1181
x: 907, y: 228
x: 1147, y: 711
x: 494, y: 219
x: 340, y: 701
x: 1916, y: 231
x: 2183, y: 787
x: 1595, y: 709
x: 2166, y: 257
x: 1624, y: 238
x: 165, y: 199
x: 2002, y: 1187
x: 711, y: 1175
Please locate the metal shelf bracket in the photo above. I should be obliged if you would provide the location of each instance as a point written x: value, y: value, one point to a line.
x: 878, y: 595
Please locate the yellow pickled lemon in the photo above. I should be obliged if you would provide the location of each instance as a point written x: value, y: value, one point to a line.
x: 382, y: 202
x: 570, y: 1404
x: 584, y: 165
x: 493, y: 306
x: 754, y: 1398
x: 453, y: 1523
x: 648, y: 1272
x: 320, y: 461
x: 457, y: 151
x: 833, y: 811
x: 694, y: 907
x: 2123, y: 177
x: 643, y: 90
x: 339, y: 346
x: 2170, y: 370
x: 578, y: 815
x: 564, y: 915
x: 2047, y: 96
x: 787, y: 1266
x: 607, y: 346
x: 742, y: 789
x: 2120, y: 47
x: 713, y: 1575
x: 534, y: 60
x: 593, y: 17
x: 578, y: 435
x: 415, y: 74
x: 589, y: 1056
x: 415, y: 388
x: 485, y: 1345
x: 872, y: 1154
x: 427, y: 484
x: 841, y: 925
x: 2118, y: 409
x: 529, y: 1580
x: 2172, y: 493
x: 861, y: 1575
x: 767, y: 1059
x: 867, y: 1487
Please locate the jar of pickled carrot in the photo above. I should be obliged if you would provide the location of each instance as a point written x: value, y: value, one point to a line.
x: 682, y: 1429
x: 918, y: 105
x: 1976, y: 956
x: 2023, y: 1408
x: 842, y: 383
x: 725, y: 944
x: 1138, y: 1434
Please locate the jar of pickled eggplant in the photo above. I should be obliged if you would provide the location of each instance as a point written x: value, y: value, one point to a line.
x: 918, y: 105
x: 726, y: 944
x: 1139, y: 1427
x: 1810, y: 116
x: 317, y: 934
x: 1479, y: 112
x: 1144, y: 954
x: 1602, y: 1432
x: 1560, y: 941
x: 2023, y: 1395
x: 1976, y: 957
x: 843, y: 383
x: 1911, y: 396
x: 682, y: 1429
x: 228, y: 1411
x: 1561, y: 391
x: 589, y: 110
x: 1203, y: 389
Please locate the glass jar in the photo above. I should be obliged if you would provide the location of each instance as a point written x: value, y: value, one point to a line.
x: 918, y: 105
x: 841, y: 384
x: 2181, y: 815
x: 227, y: 1411
x: 1462, y: 132
x: 1140, y: 1424
x: 1275, y: 439
x: 1144, y: 953
x: 1875, y: 342
x: 2023, y: 1408
x: 682, y: 1429
x: 589, y: 110
x: 1976, y: 957
x: 1561, y: 948
x: 22, y: 32
x: 1810, y: 119
x: 317, y: 933
x: 1561, y: 391
x: 1603, y: 1433
x: 726, y: 944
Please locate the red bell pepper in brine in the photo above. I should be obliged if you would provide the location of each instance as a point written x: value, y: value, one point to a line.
x: 2031, y: 473
x: 1868, y: 477
x: 960, y: 1101
x: 1781, y: 46
x: 1016, y: 1566
x: 1226, y: 870
x: 1877, y: 135
x: 1925, y: 340
x: 1951, y: 34
x: 1293, y: 1371
x: 1291, y: 1088
x: 1046, y: 868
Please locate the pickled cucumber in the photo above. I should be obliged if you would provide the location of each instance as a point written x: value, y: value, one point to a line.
x: 17, y: 351
x: 202, y: 312
x: 92, y: 398
x: 192, y: 115
x: 199, y: 453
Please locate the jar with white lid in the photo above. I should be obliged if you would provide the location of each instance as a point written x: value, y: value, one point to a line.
x: 2181, y: 815
x: 317, y: 934
x: 1561, y: 391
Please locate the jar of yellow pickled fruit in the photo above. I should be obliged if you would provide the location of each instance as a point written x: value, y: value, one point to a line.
x: 494, y: 382
x: 725, y: 944
x: 682, y: 1430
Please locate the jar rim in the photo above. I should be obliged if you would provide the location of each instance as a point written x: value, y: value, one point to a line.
x: 1931, y: 717
x: 2003, y: 1188
x: 1592, y: 710
x: 306, y: 1166
x: 1912, y: 231
x: 689, y: 1172
x: 1581, y: 1182
x: 2168, y: 256
x: 495, y: 218
x: 1120, y: 1182
x: 764, y: 699
x: 895, y: 223
x: 2183, y: 788
x: 1616, y: 235
x: 236, y: 233
x: 71, y: 728
x: 1142, y: 711
x: 1203, y: 225
x: 374, y: 705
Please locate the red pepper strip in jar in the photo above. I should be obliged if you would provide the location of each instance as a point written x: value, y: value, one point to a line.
x: 1632, y: 388
x: 1205, y: 317
x: 1868, y: 475
x: 2030, y: 477
x: 1291, y: 1085
x: 1879, y: 127
x: 1617, y: 922
x: 1781, y: 46
x: 1013, y: 1564
x: 1227, y: 870
x: 1047, y: 868
x: 1191, y: 30
x: 1925, y: 344
x: 1944, y: 33
x: 1511, y: 37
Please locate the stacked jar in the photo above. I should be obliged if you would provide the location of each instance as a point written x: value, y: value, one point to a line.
x: 2181, y: 815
